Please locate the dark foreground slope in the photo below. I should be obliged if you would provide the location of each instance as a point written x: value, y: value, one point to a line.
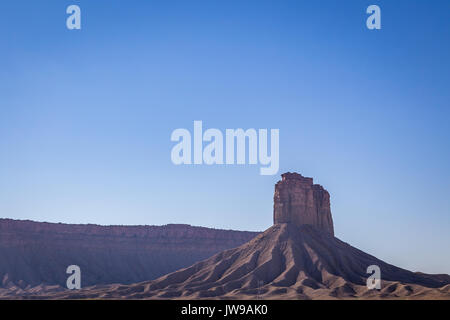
x: 285, y: 262
x: 35, y: 255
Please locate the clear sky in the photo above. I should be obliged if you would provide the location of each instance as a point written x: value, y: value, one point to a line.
x: 86, y: 115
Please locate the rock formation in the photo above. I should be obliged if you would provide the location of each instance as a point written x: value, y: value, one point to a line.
x: 35, y: 254
x: 298, y: 201
x: 297, y: 258
x: 284, y: 262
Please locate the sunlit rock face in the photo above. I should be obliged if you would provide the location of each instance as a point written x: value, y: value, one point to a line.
x: 299, y: 201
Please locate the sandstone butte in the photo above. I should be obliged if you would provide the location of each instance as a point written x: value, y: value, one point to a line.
x: 300, y: 202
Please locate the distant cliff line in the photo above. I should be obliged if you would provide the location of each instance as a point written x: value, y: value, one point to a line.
x: 117, y: 230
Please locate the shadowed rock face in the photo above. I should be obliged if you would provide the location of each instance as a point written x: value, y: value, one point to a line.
x: 38, y: 253
x: 300, y: 202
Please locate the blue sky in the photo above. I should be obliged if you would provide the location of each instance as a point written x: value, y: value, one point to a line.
x: 86, y: 116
